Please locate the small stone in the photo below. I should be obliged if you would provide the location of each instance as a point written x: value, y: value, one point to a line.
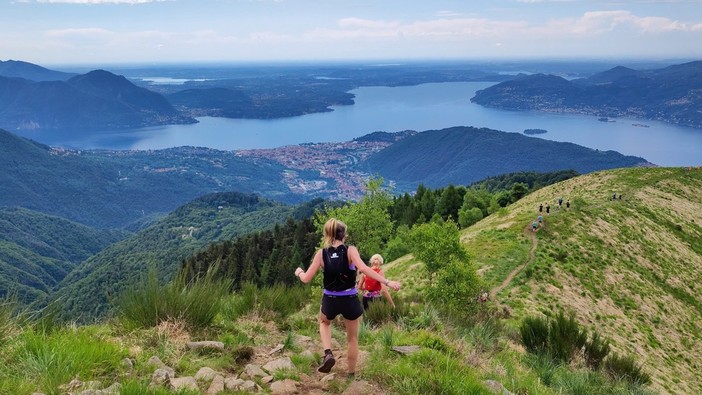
x: 205, y: 345
x: 497, y: 387
x: 266, y: 379
x: 359, y: 388
x: 155, y: 361
x: 328, y: 377
x: 114, y: 389
x: 205, y: 374
x: 248, y: 385
x: 128, y: 363
x: 284, y: 387
x: 281, y: 363
x: 233, y: 383
x: 307, y: 354
x: 181, y: 383
x: 251, y: 370
x: 276, y: 349
x: 216, y: 386
x: 160, y: 377
x: 406, y: 350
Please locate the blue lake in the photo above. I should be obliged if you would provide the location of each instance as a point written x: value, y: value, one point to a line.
x: 422, y: 107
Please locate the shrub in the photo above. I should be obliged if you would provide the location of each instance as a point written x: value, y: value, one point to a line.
x: 196, y: 302
x: 626, y: 368
x: 455, y: 290
x: 565, y: 337
x: 437, y: 243
x: 596, y: 349
x: 534, y: 334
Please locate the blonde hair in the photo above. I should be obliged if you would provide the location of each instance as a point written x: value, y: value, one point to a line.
x: 333, y: 230
x: 376, y: 258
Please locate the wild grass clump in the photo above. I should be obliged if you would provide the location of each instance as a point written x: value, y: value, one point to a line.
x: 534, y: 334
x: 53, y: 359
x: 195, y: 301
x: 424, y: 372
x: 596, y: 349
x: 380, y: 311
x: 279, y: 299
x: 565, y: 337
x: 562, y: 338
x: 7, y: 321
x: 625, y: 368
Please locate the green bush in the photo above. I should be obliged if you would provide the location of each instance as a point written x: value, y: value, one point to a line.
x: 534, y: 334
x: 626, y: 368
x: 436, y: 243
x: 565, y: 337
x: 455, y: 289
x: 196, y: 302
x: 596, y: 349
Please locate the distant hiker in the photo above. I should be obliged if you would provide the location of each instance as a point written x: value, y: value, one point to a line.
x: 620, y: 196
x: 339, y: 265
x: 548, y: 209
x: 534, y: 226
x: 541, y: 208
x: 567, y: 204
x: 372, y: 289
x: 483, y: 296
x: 540, y: 218
x: 560, y: 202
x: 614, y: 196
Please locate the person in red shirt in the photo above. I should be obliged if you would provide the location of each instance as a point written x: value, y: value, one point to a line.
x: 371, y: 288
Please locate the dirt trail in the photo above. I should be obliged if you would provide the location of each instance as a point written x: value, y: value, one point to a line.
x: 534, y: 242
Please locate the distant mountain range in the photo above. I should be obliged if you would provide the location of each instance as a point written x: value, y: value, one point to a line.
x: 116, y: 189
x: 463, y: 155
x: 671, y: 94
x: 30, y: 71
x: 96, y: 101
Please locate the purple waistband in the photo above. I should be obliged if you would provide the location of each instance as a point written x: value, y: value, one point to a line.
x: 346, y: 292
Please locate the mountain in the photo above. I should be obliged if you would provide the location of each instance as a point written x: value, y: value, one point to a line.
x: 30, y: 71
x: 37, y: 251
x: 463, y: 155
x: 671, y: 94
x: 89, y: 289
x: 630, y: 268
x: 96, y: 101
x: 111, y: 189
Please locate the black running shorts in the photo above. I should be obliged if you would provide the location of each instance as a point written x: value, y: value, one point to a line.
x: 348, y: 306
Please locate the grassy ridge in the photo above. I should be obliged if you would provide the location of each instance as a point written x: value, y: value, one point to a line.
x: 630, y: 267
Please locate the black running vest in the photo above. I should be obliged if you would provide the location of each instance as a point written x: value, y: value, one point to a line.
x: 337, y: 274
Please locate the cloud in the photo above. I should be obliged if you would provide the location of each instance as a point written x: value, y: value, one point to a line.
x: 599, y: 22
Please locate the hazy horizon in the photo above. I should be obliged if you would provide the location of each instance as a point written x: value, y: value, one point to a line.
x: 123, y: 32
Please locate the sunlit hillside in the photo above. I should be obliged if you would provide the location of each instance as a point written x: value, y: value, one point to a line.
x: 630, y: 267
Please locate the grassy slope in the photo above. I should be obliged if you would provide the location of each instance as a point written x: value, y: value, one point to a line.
x: 631, y: 268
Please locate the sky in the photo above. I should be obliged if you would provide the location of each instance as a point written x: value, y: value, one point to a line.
x: 55, y: 32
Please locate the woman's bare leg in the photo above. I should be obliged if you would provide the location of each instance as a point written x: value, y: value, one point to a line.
x: 325, y: 331
x: 352, y: 341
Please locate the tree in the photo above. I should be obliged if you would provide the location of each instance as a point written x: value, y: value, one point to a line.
x: 470, y: 216
x: 435, y: 244
x: 368, y: 221
x: 450, y: 202
x: 519, y: 190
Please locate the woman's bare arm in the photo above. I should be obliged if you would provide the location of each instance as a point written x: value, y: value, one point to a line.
x: 355, y: 258
x: 307, y: 276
